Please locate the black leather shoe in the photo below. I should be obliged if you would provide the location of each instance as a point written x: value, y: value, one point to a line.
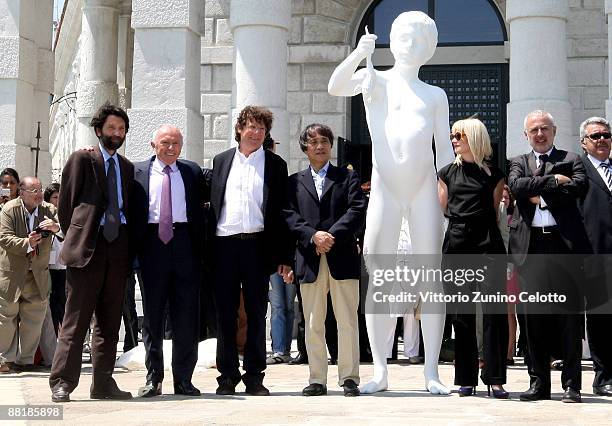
x: 571, y: 395
x: 60, y: 395
x: 186, y: 388
x: 257, y: 389
x: 300, y: 359
x: 111, y: 391
x: 314, y: 389
x: 226, y: 387
x: 535, y: 393
x: 150, y: 389
x: 350, y: 388
x: 605, y: 390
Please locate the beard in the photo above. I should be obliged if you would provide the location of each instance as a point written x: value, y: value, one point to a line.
x: 111, y: 143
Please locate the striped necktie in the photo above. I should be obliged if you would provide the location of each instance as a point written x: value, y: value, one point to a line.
x: 608, y: 174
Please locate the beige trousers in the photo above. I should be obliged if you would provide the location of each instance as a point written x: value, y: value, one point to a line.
x: 21, y: 322
x: 345, y: 301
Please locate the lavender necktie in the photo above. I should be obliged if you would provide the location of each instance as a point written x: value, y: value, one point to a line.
x: 165, y: 209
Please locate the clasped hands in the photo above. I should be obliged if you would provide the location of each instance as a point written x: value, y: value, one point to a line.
x: 323, y: 242
x: 561, y: 179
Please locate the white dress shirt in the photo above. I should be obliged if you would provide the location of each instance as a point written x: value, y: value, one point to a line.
x: 243, y: 201
x: 30, y: 222
x: 156, y: 179
x: 542, y: 218
x: 596, y: 163
x: 319, y: 178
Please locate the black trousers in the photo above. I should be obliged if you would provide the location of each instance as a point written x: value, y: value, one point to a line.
x: 600, y: 344
x: 129, y: 314
x: 495, y: 346
x: 57, y: 300
x: 171, y: 277
x: 549, y: 267
x: 241, y: 263
x: 301, y: 331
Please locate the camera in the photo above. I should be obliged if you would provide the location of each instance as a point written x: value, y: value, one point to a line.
x: 5, y: 192
x: 43, y: 232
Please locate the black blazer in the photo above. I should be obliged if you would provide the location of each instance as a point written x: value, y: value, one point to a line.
x: 561, y: 200
x: 341, y: 212
x: 196, y: 193
x: 277, y: 241
x: 596, y: 208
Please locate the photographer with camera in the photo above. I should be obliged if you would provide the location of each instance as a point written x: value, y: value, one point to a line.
x: 26, y: 223
x: 9, y: 185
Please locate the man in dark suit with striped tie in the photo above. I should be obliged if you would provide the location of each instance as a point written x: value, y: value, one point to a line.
x: 596, y: 208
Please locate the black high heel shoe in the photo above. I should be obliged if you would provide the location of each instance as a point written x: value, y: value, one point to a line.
x: 467, y: 391
x: 498, y: 393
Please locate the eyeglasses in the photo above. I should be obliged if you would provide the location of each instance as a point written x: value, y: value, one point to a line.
x: 457, y: 135
x: 600, y: 135
x: 33, y: 191
x: 320, y: 140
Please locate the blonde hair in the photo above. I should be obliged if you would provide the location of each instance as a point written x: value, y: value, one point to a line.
x: 477, y: 138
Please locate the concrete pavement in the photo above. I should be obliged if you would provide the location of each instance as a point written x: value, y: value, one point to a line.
x: 405, y: 403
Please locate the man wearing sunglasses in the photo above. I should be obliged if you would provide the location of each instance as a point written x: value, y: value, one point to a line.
x: 596, y: 207
x: 25, y: 225
x: 547, y: 240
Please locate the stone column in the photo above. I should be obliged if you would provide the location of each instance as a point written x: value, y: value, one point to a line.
x: 260, y: 30
x: 22, y: 64
x: 609, y: 20
x: 166, y: 74
x: 125, y: 54
x: 43, y: 89
x: 98, y: 66
x: 538, y: 69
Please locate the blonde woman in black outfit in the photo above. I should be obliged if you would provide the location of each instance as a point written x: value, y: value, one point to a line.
x: 470, y: 190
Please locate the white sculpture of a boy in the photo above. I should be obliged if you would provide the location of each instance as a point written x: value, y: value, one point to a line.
x: 403, y: 113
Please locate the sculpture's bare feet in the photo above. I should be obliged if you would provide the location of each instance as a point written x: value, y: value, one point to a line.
x: 378, y: 383
x: 435, y: 387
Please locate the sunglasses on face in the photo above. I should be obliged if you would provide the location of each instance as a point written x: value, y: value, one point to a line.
x: 600, y: 135
x: 456, y: 135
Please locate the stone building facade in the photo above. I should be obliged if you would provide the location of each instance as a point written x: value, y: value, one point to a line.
x: 196, y: 62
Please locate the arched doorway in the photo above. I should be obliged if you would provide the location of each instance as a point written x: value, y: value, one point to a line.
x: 469, y: 65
